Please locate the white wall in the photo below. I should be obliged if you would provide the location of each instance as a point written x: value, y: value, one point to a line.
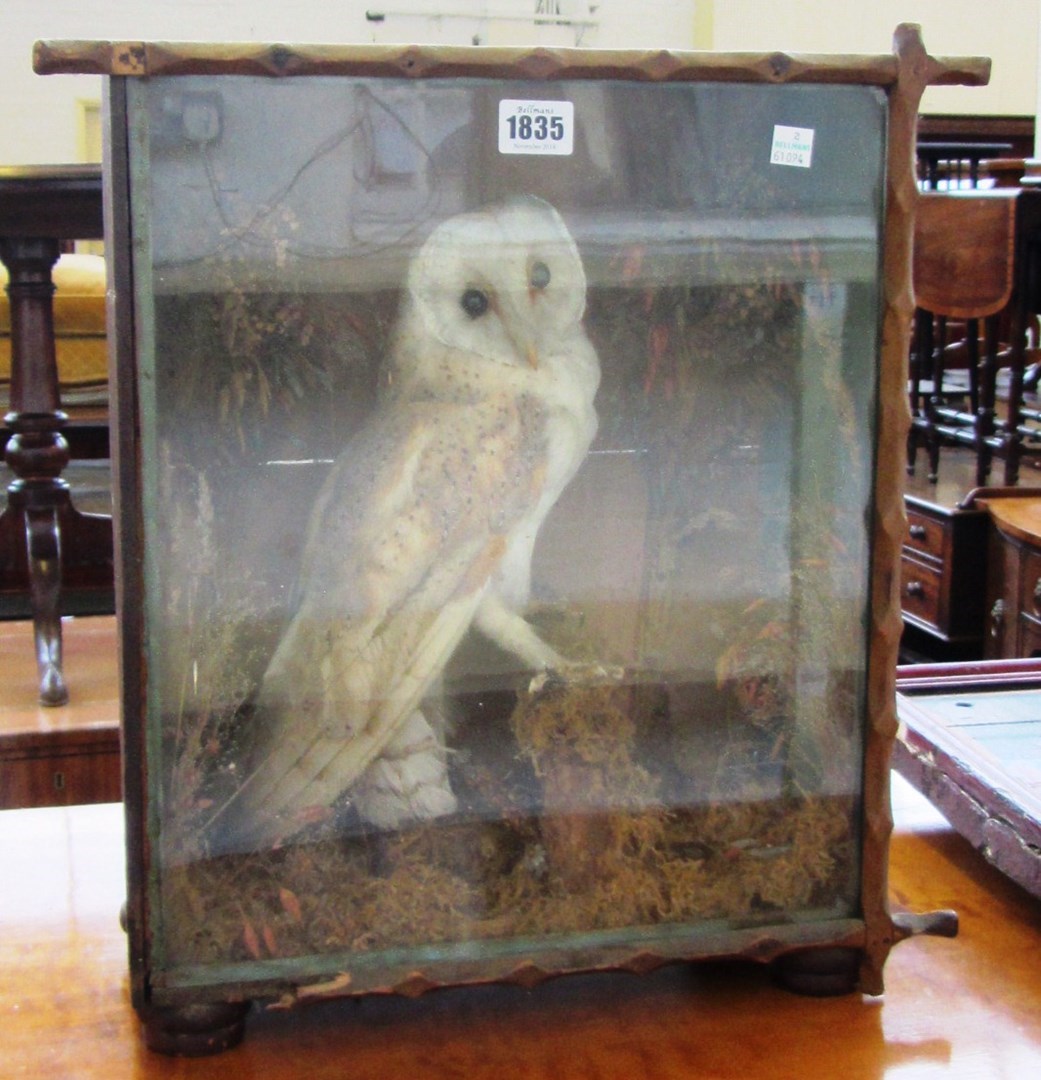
x: 39, y: 116
x: 1005, y: 30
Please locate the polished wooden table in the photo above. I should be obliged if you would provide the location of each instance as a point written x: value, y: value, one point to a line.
x: 65, y: 756
x: 46, y: 545
x: 970, y: 740
x: 970, y: 1007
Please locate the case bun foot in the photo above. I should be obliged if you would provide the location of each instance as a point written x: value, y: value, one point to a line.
x: 819, y: 972
x: 195, y: 1030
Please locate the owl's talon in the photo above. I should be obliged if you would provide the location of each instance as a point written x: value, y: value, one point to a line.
x: 593, y: 673
x: 546, y: 679
x: 577, y: 673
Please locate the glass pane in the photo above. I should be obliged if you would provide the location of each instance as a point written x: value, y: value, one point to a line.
x: 506, y: 550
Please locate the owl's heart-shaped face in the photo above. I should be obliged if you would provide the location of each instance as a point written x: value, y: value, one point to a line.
x: 505, y: 283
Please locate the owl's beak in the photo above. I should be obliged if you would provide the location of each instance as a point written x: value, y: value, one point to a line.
x: 508, y: 317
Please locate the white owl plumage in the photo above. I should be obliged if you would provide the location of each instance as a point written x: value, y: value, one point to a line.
x: 426, y: 526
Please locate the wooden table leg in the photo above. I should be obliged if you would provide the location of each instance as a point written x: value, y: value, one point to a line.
x: 1015, y: 435
x: 37, y: 451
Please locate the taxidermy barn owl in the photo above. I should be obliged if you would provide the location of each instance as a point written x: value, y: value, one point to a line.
x: 426, y: 526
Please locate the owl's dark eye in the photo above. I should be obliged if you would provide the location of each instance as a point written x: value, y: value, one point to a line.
x: 540, y: 275
x: 474, y: 303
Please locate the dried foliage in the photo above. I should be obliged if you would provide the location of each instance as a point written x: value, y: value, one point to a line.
x: 597, y: 852
x: 706, y: 784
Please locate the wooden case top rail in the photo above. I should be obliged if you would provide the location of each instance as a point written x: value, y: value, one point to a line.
x: 415, y: 61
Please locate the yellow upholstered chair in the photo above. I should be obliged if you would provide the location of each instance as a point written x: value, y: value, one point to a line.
x: 79, y: 331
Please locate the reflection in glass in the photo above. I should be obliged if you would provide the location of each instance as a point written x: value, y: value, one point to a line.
x: 627, y: 668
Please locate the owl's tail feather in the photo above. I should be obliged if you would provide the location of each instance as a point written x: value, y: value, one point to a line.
x: 306, y: 770
x: 408, y: 781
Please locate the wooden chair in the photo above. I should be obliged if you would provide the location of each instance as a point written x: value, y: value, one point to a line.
x: 974, y: 255
x: 954, y: 165
x: 962, y: 271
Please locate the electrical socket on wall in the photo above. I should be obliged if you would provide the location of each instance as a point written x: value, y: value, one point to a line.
x: 194, y: 117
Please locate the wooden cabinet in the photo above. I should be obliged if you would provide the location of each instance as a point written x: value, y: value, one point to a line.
x: 1013, y: 598
x: 59, y: 767
x: 68, y: 755
x: 942, y: 572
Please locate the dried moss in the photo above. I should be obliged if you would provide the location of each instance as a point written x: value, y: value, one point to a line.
x: 601, y: 852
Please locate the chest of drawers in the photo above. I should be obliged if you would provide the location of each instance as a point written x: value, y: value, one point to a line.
x: 1013, y: 595
x: 942, y: 572
x: 59, y: 767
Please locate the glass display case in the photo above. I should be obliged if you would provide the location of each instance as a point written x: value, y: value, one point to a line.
x: 509, y: 512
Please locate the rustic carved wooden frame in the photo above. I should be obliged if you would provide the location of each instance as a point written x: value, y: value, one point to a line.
x: 902, y: 76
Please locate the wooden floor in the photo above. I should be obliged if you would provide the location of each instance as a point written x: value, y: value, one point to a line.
x: 957, y: 476
x: 970, y: 1007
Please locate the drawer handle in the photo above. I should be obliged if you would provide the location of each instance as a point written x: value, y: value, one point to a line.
x: 915, y: 588
x: 1037, y: 594
x: 997, y: 618
x: 919, y: 532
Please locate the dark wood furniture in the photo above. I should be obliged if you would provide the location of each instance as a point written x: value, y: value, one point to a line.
x: 976, y: 259
x: 1013, y: 135
x: 974, y: 128
x: 971, y: 742
x: 49, y: 551
x: 1013, y: 599
x: 60, y: 757
x: 955, y: 164
x: 70, y: 768
x: 942, y: 574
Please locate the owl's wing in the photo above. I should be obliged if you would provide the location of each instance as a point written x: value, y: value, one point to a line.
x: 404, y: 537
